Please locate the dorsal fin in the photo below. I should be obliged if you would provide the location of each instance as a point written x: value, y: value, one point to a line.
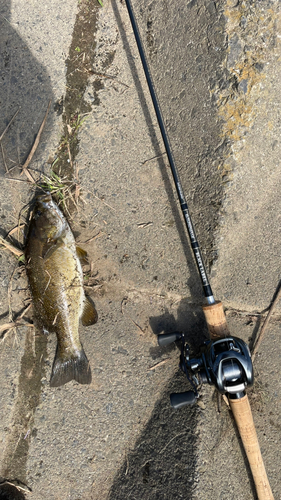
x: 82, y: 255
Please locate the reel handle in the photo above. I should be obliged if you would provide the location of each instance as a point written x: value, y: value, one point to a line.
x: 168, y: 338
x: 182, y: 398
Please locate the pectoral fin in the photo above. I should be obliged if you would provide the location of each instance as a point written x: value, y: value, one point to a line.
x: 82, y: 255
x: 50, y: 247
x: 89, y: 315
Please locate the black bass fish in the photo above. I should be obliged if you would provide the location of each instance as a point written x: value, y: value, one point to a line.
x: 56, y: 281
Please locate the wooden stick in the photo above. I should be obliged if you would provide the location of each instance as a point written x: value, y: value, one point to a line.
x: 217, y: 326
x: 3, y: 156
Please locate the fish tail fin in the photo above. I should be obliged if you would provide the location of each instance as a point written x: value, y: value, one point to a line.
x: 76, y: 367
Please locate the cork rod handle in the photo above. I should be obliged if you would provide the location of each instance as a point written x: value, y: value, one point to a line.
x: 217, y: 326
x: 244, y: 420
x: 216, y: 321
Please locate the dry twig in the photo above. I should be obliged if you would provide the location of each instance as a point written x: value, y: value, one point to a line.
x: 159, y: 364
x: 144, y: 224
x: 10, y: 122
x: 29, y: 176
x: 4, y: 159
x: 15, y: 229
x: 1, y: 137
x: 11, y: 247
x: 98, y: 235
x: 109, y: 77
x: 264, y: 326
x: 34, y: 147
x: 17, y: 486
x: 153, y: 158
x: 226, y: 400
x: 69, y: 155
x: 175, y: 437
x: 100, y: 199
x: 10, y: 294
x: 6, y: 328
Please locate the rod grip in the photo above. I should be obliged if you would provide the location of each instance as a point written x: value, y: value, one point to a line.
x: 217, y: 326
x: 244, y: 420
x: 216, y: 321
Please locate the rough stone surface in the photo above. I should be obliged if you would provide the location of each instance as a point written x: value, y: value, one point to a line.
x: 215, y: 68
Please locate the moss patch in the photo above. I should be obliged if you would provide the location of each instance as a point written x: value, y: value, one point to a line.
x: 250, y: 29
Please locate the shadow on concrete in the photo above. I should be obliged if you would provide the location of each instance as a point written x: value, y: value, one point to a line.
x: 32, y: 370
x: 162, y: 463
x: 185, y: 47
x: 194, y: 284
x: 10, y: 492
x: 25, y: 86
x: 189, y: 320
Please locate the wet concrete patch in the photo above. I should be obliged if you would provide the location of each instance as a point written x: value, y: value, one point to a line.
x: 28, y: 397
x: 74, y: 106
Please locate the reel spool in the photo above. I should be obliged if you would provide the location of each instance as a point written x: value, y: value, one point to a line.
x: 225, y: 363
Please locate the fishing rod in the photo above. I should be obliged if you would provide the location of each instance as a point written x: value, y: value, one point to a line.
x: 225, y: 361
x: 188, y: 222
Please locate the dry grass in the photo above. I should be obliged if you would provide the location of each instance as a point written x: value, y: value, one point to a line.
x: 12, y: 248
x: 7, y: 328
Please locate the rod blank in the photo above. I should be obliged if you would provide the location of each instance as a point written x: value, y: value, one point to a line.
x: 188, y: 222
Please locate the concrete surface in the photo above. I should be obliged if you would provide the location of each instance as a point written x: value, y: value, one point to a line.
x: 216, y: 71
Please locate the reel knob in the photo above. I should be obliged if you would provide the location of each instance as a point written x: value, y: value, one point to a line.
x: 167, y: 338
x: 182, y: 398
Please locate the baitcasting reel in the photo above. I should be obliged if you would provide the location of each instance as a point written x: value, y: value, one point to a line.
x: 225, y: 363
